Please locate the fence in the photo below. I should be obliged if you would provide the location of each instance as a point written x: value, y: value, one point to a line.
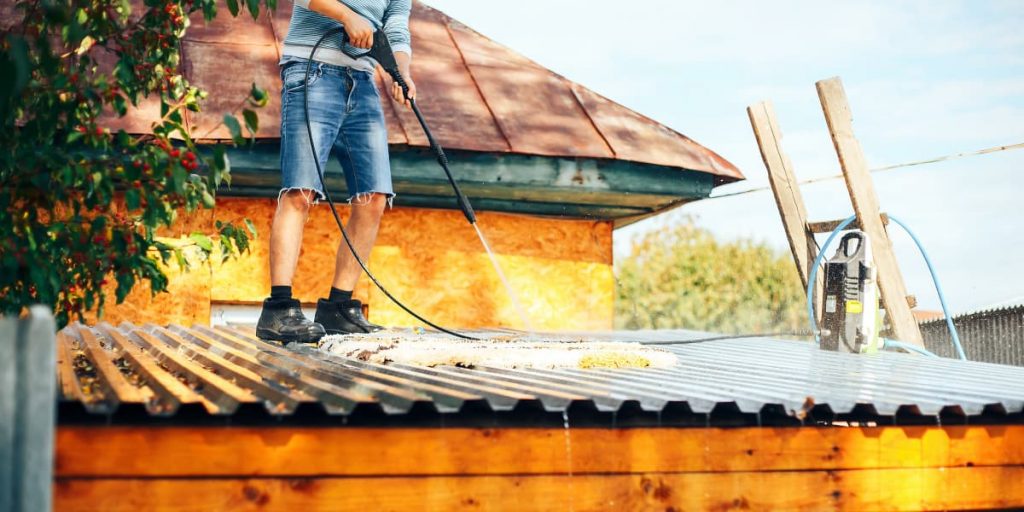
x: 28, y: 388
x: 993, y: 336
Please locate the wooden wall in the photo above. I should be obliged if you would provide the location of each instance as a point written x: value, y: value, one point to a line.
x: 665, y: 469
x: 430, y: 259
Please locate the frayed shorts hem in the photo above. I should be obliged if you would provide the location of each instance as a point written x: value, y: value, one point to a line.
x: 358, y: 199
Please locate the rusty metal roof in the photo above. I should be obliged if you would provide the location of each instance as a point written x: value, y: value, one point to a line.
x: 476, y: 94
x: 152, y: 373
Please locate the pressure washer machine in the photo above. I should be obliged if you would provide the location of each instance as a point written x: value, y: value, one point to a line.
x: 851, y: 319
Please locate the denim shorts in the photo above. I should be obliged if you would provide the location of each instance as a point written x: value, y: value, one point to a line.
x: 347, y: 120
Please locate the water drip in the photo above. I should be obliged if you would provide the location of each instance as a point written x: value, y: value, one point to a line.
x: 568, y: 455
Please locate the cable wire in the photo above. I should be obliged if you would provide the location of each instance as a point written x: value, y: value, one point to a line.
x: 995, y: 149
x: 726, y: 337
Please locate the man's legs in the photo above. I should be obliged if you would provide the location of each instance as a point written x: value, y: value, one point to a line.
x: 362, y: 148
x: 362, y: 228
x: 282, y: 318
x: 286, y: 234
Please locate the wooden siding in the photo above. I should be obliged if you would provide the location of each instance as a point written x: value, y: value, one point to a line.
x: 281, y: 468
x: 429, y: 258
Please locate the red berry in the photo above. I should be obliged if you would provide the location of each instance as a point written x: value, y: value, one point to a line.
x: 175, y: 153
x: 83, y: 129
x: 99, y: 131
x: 190, y: 155
x: 136, y: 164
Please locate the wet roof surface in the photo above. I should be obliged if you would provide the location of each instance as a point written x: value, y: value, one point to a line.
x: 153, y: 374
x: 476, y: 94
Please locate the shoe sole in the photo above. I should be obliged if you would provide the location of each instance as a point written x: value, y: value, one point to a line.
x: 268, y: 335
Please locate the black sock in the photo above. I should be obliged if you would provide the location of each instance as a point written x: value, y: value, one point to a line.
x: 280, y: 292
x: 339, y: 295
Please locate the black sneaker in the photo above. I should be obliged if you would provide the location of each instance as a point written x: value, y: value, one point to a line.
x: 343, y: 317
x: 282, y: 320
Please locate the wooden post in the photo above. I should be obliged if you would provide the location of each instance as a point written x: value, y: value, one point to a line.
x: 28, y: 392
x: 865, y: 205
x: 787, y: 193
x: 8, y: 403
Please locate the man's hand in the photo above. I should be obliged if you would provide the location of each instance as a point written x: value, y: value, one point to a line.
x: 360, y: 32
x: 403, y: 60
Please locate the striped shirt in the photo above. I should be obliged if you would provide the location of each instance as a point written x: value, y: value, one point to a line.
x: 307, y: 26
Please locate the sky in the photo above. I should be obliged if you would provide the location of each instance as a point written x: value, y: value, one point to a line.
x: 924, y: 79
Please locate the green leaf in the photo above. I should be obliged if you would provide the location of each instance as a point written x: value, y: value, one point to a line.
x: 258, y: 97
x: 252, y: 121
x: 208, y: 200
x: 131, y: 199
x: 179, y: 256
x: 209, y: 9
x: 119, y: 106
x: 251, y: 226
x: 254, y: 7
x: 202, y: 241
x: 233, y: 7
x: 236, y: 129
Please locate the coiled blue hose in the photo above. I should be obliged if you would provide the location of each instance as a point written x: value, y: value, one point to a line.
x: 931, y: 269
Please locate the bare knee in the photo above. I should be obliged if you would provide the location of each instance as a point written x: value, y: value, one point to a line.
x: 370, y: 205
x: 297, y: 200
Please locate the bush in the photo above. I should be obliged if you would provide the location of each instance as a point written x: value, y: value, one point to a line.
x: 681, y: 277
x: 80, y: 205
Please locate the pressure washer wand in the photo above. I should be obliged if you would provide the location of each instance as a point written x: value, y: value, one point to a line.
x: 381, y: 52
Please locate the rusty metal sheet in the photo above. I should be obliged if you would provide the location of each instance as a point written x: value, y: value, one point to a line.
x: 635, y: 137
x: 534, y: 107
x: 227, y: 71
x: 448, y: 95
x: 225, y: 28
x: 476, y: 94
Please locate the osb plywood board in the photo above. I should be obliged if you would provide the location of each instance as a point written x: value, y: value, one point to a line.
x: 186, y: 302
x: 433, y: 261
x: 561, y: 271
x: 247, y: 278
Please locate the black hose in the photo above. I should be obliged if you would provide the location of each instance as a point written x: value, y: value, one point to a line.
x: 327, y: 195
x: 728, y: 337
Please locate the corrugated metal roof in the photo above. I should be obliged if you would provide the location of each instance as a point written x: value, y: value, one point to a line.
x: 223, y: 371
x: 477, y: 95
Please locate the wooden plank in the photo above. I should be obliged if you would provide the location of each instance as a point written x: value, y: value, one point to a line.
x: 829, y: 226
x: 787, y: 193
x: 35, y: 415
x: 865, y: 205
x: 305, y: 452
x: 886, y: 489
